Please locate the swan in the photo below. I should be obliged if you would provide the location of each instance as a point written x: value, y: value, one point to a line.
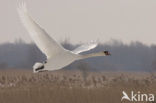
x: 57, y: 57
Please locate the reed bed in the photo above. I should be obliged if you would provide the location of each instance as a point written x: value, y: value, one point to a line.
x: 23, y: 86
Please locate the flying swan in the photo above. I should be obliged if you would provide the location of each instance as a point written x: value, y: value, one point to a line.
x: 57, y: 56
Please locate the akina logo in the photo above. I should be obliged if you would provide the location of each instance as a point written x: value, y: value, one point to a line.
x: 137, y: 97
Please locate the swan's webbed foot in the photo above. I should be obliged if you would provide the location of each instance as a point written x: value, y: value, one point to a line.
x: 39, y: 68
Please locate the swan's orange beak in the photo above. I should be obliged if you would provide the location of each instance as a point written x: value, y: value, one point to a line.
x: 107, y: 53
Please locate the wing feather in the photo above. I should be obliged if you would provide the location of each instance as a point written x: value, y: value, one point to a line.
x: 85, y: 47
x: 44, y: 42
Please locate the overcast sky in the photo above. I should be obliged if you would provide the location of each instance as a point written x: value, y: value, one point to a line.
x: 83, y: 20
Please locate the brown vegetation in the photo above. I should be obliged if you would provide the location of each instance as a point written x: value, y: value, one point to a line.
x: 71, y: 86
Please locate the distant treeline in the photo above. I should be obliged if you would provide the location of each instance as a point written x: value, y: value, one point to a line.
x: 135, y: 56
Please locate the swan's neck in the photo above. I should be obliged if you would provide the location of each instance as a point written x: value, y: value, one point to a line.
x: 93, y: 55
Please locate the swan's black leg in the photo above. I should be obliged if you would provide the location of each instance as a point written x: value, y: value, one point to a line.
x: 40, y: 68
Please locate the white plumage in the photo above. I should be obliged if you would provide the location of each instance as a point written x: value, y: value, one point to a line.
x: 57, y: 56
x: 85, y: 47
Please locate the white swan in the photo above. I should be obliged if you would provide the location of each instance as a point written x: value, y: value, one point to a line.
x: 57, y: 56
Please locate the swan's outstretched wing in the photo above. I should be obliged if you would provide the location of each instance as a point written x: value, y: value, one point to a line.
x: 44, y: 42
x: 85, y: 47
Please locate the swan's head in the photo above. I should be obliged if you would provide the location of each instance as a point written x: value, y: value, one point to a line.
x: 106, y: 52
x: 38, y: 67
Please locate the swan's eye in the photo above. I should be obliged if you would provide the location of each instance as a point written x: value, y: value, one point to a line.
x: 106, y: 53
x: 45, y: 62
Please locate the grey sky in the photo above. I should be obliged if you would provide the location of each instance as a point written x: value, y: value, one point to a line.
x: 83, y: 20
